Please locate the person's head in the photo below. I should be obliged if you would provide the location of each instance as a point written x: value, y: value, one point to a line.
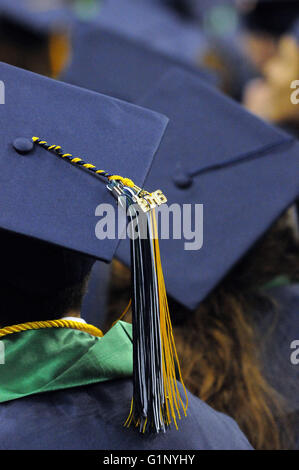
x: 219, y: 343
x: 24, y: 48
x: 264, y: 23
x: 39, y: 281
x: 182, y: 7
x: 273, y: 97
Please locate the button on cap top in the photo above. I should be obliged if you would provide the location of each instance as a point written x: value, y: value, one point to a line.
x: 182, y: 180
x: 23, y: 145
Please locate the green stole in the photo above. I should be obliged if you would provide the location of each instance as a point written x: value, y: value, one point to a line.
x: 51, y: 359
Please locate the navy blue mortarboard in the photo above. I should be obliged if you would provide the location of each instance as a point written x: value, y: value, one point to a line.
x: 43, y: 196
x: 115, y: 65
x: 243, y: 171
x: 154, y: 24
x: 35, y: 34
x: 39, y: 16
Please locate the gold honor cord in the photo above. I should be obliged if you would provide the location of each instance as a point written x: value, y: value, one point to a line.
x: 37, y: 325
x: 156, y: 401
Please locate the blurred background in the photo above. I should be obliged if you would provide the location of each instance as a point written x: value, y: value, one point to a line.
x: 250, y: 46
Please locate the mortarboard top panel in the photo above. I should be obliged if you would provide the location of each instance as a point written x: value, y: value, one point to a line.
x: 243, y: 171
x: 40, y: 16
x: 154, y: 24
x: 41, y: 195
x: 115, y: 65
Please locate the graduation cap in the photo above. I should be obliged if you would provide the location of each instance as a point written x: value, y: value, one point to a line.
x: 111, y: 63
x: 154, y: 24
x: 111, y: 134
x: 62, y: 151
x: 36, y: 23
x: 39, y: 16
x: 243, y: 171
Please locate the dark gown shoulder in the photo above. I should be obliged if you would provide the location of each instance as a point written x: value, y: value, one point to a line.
x: 92, y: 417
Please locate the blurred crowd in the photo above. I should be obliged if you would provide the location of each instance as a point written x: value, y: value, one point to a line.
x: 251, y: 47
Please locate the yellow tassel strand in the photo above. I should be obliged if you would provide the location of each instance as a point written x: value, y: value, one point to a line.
x: 170, y: 358
x: 169, y: 411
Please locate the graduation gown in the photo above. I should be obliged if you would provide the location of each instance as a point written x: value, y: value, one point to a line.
x: 68, y: 389
x: 96, y: 298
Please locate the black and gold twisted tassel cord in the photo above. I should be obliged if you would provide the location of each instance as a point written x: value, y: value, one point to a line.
x: 156, y: 401
x: 80, y: 162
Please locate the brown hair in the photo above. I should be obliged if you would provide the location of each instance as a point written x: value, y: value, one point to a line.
x: 219, y: 343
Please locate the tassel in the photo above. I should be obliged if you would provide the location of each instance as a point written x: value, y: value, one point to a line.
x: 156, y: 401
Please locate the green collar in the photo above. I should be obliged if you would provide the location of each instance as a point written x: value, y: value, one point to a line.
x: 50, y: 359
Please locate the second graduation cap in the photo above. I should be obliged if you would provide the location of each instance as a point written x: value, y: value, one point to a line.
x: 35, y: 34
x: 109, y: 62
x: 154, y: 24
x: 243, y: 171
x: 41, y: 17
